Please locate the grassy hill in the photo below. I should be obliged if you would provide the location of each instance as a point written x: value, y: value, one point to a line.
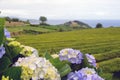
x: 15, y: 27
x: 21, y: 28
x: 77, y: 24
x: 103, y: 43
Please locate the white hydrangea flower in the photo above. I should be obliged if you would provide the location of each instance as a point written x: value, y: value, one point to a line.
x: 42, y: 68
x: 28, y: 51
x: 55, y: 55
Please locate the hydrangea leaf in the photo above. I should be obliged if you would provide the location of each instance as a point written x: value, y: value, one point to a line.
x: 65, y: 70
x: 85, y: 63
x: 4, y: 63
x: 12, y: 52
x: 57, y: 63
x: 48, y: 56
x: 62, y: 66
x: 99, y: 71
x: 2, y: 21
x: 13, y: 73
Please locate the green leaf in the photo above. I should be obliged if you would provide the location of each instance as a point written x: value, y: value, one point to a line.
x: 65, y: 70
x: 7, y: 52
x: 48, y: 56
x: 99, y: 71
x: 57, y: 63
x: 62, y: 66
x: 4, y: 63
x: 14, y: 51
x: 2, y: 21
x: 85, y: 63
x: 13, y: 73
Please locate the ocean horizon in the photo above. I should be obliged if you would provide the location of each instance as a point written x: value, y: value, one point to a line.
x: 92, y: 23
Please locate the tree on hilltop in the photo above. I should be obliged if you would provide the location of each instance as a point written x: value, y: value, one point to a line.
x: 43, y: 19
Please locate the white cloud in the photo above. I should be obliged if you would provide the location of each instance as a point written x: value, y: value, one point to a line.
x: 101, y: 13
x: 62, y: 9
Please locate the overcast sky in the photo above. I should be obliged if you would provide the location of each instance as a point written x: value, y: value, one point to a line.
x: 61, y: 9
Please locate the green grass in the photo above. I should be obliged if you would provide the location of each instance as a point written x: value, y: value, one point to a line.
x: 41, y: 28
x: 21, y: 28
x: 112, y: 65
x: 88, y: 41
x: 103, y: 43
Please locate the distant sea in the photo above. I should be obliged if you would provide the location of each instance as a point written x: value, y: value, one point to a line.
x: 92, y: 23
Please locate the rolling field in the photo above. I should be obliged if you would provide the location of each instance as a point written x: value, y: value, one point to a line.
x: 21, y: 28
x: 103, y: 43
x: 40, y: 28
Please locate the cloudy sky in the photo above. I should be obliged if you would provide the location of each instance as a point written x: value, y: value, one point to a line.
x: 61, y: 9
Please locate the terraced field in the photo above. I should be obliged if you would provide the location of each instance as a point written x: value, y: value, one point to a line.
x: 21, y: 28
x: 103, y: 43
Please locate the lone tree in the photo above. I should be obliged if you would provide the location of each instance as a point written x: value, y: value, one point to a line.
x: 99, y: 25
x: 43, y: 19
x: 8, y: 19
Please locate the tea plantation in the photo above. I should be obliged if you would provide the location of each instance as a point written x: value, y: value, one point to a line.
x: 103, y: 43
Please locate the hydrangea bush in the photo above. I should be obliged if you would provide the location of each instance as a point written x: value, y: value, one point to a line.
x: 36, y: 68
x: 20, y: 62
x: 84, y: 74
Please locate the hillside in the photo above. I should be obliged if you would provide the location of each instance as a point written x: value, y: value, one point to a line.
x: 103, y: 43
x: 13, y: 24
x: 77, y: 24
x: 17, y: 28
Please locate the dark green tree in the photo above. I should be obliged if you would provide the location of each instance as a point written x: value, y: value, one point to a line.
x: 99, y: 25
x: 15, y: 19
x: 8, y: 19
x: 43, y: 19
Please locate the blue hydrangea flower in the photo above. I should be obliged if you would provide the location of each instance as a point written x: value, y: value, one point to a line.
x: 2, y: 51
x: 96, y: 77
x: 7, y: 33
x: 84, y: 74
x: 73, y: 56
x: 91, y: 59
x: 73, y: 76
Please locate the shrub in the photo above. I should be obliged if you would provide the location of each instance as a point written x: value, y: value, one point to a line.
x: 99, y: 25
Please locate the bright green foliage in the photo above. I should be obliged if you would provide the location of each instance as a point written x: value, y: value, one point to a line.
x: 61, y: 66
x: 65, y: 70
